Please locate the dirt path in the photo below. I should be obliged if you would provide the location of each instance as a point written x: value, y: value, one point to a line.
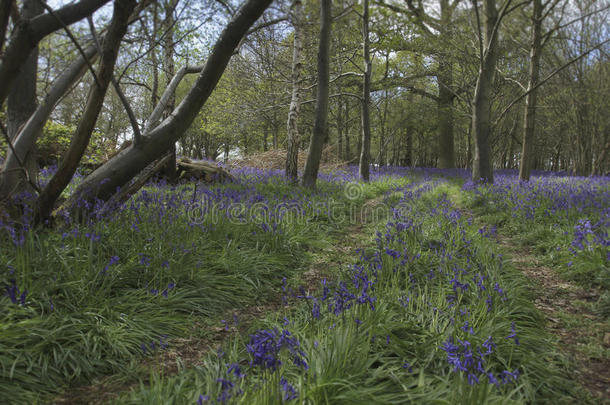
x: 567, y: 309
x: 187, y: 351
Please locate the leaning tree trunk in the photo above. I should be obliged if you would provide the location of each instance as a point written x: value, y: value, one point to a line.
x: 29, y: 32
x: 365, y: 153
x: 320, y: 130
x: 482, y: 169
x: 531, y: 100
x: 23, y: 144
x: 118, y: 171
x: 80, y: 139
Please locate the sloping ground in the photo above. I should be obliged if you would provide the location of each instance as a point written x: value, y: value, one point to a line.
x: 276, y: 159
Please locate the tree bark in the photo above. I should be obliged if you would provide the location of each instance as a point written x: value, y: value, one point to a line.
x: 340, y: 128
x: 320, y: 130
x: 446, y: 148
x: 169, y: 170
x: 482, y: 169
x: 154, y: 96
x: 292, y: 156
x: 348, y: 150
x: 80, y: 139
x: 531, y: 100
x: 5, y: 13
x: 28, y: 33
x: 365, y: 153
x: 115, y: 173
x: 22, y: 101
x: 23, y: 144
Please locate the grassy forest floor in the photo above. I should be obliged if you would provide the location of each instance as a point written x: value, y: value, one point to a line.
x: 416, y: 287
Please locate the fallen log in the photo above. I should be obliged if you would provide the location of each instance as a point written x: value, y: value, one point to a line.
x: 201, y: 170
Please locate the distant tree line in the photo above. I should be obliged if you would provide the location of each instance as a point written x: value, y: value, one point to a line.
x: 118, y: 85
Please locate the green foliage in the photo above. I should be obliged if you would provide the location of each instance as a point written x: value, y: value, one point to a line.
x: 391, y: 354
x: 56, y: 138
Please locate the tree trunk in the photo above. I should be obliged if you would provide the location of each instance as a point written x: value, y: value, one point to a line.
x: 11, y: 176
x: 531, y: 100
x: 5, y: 13
x: 154, y: 94
x: 482, y: 169
x: 292, y: 156
x: 408, y: 160
x: 95, y: 99
x: 276, y: 131
x: 365, y: 153
x: 103, y: 182
x: 266, y: 137
x: 320, y: 130
x: 340, y: 128
x: 29, y: 32
x: 348, y: 151
x: 22, y: 101
x: 169, y: 170
x: 446, y: 149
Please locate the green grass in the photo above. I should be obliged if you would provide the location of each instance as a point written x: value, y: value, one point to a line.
x: 355, y: 362
x: 85, y: 318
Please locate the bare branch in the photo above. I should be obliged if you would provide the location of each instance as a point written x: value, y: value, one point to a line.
x: 137, y: 136
x: 547, y: 78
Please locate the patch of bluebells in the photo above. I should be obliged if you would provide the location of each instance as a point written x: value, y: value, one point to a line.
x: 165, y: 292
x: 13, y: 292
x: 113, y: 261
x: 154, y: 346
x: 289, y: 391
x: 472, y: 362
x: 266, y: 345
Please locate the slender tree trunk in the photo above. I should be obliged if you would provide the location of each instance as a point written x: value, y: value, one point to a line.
x: 169, y: 170
x: 365, y: 153
x: 531, y: 100
x: 340, y: 128
x: 103, y: 182
x: 348, y: 152
x: 320, y: 130
x: 80, y: 139
x: 276, y: 131
x: 408, y: 160
x: 482, y: 169
x: 154, y: 94
x: 266, y: 137
x: 446, y: 149
x: 292, y: 156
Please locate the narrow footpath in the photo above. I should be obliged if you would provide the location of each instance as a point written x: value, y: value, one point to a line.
x: 583, y: 335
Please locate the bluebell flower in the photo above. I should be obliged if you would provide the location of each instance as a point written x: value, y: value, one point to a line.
x: 289, y: 391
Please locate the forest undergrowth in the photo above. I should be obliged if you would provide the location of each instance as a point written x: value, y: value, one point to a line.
x: 255, y: 292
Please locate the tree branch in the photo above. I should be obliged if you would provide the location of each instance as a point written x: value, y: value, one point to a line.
x: 547, y: 78
x: 137, y: 136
